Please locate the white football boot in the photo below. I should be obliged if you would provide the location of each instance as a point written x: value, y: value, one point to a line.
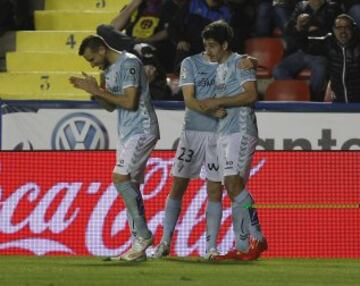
x: 137, y: 250
x: 162, y: 250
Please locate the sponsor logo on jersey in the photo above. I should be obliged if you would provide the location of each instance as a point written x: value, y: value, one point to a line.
x: 204, y: 82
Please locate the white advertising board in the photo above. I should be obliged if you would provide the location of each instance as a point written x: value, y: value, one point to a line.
x: 77, y: 129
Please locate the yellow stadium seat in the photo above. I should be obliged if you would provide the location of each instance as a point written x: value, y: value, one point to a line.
x: 112, y: 5
x: 39, y: 96
x: 45, y: 58
x: 39, y: 83
x: 50, y: 41
x: 46, y: 61
x: 72, y: 20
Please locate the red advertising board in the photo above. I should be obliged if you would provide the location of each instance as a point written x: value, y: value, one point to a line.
x: 63, y: 203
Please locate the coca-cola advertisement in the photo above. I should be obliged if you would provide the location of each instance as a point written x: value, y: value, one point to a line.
x: 64, y: 203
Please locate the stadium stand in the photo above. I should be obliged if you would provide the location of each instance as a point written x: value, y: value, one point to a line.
x: 81, y: 5
x: 44, y: 59
x: 287, y: 90
x: 268, y: 51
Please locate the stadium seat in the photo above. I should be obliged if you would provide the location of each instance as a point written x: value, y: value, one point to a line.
x: 45, y: 58
x: 41, y: 85
x: 50, y: 41
x: 69, y: 20
x: 268, y: 51
x: 46, y: 62
x: 81, y: 5
x: 287, y: 90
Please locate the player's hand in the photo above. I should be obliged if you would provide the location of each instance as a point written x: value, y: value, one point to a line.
x: 75, y: 81
x: 209, y: 105
x: 247, y: 63
x: 219, y: 113
x: 87, y: 83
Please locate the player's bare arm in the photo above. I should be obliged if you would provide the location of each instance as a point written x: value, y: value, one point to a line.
x: 128, y: 100
x: 247, y: 97
x: 80, y: 83
x: 194, y: 104
x: 104, y: 104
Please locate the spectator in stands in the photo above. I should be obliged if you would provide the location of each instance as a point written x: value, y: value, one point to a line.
x: 351, y: 7
x: 310, y: 19
x: 147, y: 21
x: 190, y: 20
x: 273, y: 14
x: 343, y: 53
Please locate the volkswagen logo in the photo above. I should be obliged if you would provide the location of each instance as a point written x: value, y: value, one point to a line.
x: 79, y: 131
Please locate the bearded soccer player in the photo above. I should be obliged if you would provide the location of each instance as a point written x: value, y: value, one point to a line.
x: 237, y: 137
x: 127, y: 91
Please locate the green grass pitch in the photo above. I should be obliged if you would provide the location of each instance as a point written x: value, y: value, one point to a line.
x: 78, y: 271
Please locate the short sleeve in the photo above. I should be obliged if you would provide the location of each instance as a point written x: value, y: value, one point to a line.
x: 245, y: 75
x: 187, y: 76
x: 131, y: 73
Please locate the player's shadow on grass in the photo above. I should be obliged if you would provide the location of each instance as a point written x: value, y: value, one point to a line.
x: 107, y: 263
x: 199, y: 260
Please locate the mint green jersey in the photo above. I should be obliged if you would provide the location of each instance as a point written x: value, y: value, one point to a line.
x: 199, y: 72
x: 229, y: 81
x: 126, y: 72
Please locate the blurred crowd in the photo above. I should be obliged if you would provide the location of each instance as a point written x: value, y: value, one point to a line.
x: 314, y: 37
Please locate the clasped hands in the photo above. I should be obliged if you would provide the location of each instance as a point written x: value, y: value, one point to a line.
x: 212, y: 106
x: 87, y: 83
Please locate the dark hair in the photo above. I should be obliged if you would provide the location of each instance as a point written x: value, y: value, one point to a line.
x: 93, y: 42
x: 220, y: 31
x: 346, y: 17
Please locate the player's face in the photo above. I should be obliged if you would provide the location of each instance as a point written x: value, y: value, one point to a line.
x: 96, y: 58
x: 343, y: 31
x: 214, y: 50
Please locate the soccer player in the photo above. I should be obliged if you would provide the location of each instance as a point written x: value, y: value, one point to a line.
x: 197, y: 147
x: 237, y: 136
x: 127, y: 90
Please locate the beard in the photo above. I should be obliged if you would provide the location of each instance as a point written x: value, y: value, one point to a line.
x: 106, y: 64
